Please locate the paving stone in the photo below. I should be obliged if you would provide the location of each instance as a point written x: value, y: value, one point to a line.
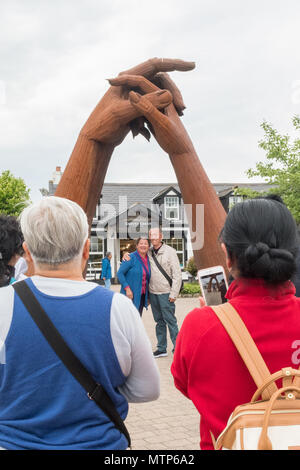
x: 172, y: 421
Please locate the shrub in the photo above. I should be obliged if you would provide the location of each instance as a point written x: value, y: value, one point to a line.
x: 191, y: 267
x: 191, y: 289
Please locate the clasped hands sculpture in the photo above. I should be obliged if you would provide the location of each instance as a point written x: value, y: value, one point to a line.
x: 146, y: 101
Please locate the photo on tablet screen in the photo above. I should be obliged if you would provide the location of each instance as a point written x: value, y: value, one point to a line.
x: 214, y: 288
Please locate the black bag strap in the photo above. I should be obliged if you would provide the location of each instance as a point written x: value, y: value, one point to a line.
x: 94, y: 390
x: 161, y: 269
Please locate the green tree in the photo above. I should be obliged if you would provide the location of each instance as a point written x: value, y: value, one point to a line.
x: 281, y: 168
x: 14, y: 195
x: 191, y: 267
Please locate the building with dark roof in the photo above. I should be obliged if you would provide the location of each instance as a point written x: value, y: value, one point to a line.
x: 126, y: 211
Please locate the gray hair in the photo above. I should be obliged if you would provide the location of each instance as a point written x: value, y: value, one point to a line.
x: 55, y: 230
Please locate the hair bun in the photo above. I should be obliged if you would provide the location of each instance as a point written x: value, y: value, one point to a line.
x: 256, y: 251
x: 261, y: 239
x: 282, y: 254
x: 268, y: 263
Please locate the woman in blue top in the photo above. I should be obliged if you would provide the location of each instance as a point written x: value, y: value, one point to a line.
x: 134, y: 275
x: 106, y: 270
x: 11, y: 240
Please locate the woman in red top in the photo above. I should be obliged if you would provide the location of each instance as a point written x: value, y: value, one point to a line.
x: 261, y: 242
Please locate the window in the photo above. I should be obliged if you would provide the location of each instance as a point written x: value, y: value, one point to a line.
x: 172, y: 207
x: 97, y: 212
x: 96, y: 245
x: 95, y: 259
x: 178, y: 245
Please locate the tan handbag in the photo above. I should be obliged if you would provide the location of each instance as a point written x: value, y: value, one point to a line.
x: 269, y: 423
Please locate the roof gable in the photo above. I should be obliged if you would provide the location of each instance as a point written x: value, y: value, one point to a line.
x: 172, y: 190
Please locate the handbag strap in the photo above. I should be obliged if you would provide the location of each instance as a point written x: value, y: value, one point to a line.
x: 94, y: 390
x: 161, y: 269
x: 245, y: 345
x: 147, y: 270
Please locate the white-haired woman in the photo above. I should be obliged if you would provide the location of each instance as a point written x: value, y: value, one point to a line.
x: 42, y: 406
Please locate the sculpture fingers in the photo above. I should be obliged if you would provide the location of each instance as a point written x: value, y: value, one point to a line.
x: 155, y: 120
x: 111, y: 127
x: 162, y: 126
x: 134, y: 81
x: 155, y: 65
x: 148, y: 107
x: 145, y: 132
x: 160, y: 99
x: 164, y: 81
x: 160, y: 81
x: 137, y: 126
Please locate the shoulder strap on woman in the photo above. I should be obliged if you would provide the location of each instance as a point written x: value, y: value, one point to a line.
x: 245, y: 345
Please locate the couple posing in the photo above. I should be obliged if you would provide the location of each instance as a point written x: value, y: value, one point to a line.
x: 153, y: 275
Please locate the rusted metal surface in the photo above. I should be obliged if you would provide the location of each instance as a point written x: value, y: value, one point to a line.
x: 145, y: 100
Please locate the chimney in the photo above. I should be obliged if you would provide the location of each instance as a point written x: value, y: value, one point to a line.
x: 57, y: 175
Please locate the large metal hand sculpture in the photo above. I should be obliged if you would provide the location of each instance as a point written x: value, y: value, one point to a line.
x: 106, y: 128
x: 123, y: 108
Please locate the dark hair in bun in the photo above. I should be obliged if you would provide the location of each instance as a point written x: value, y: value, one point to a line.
x: 11, y: 240
x: 262, y: 240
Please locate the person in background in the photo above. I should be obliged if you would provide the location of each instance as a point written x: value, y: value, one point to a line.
x: 163, y: 294
x: 21, y: 269
x: 11, y: 239
x: 162, y: 291
x: 134, y: 275
x: 106, y: 270
x: 260, y: 242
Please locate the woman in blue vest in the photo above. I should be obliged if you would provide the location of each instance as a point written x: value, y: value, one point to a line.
x: 134, y: 275
x: 42, y: 406
x: 11, y: 240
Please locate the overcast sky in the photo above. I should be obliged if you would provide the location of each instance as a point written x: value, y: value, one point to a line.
x: 56, y: 54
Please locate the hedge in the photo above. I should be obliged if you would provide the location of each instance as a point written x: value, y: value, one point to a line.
x: 190, y: 289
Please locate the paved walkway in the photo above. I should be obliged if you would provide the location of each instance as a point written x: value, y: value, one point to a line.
x: 172, y: 421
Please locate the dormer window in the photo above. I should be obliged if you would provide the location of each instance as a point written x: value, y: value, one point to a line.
x: 172, y: 207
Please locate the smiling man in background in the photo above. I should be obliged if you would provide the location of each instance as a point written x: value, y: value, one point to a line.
x: 164, y: 287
